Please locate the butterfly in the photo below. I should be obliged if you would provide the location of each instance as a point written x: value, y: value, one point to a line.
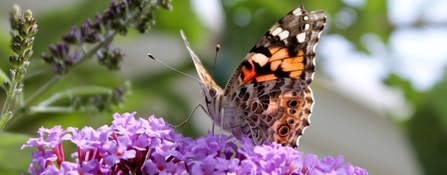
x: 268, y: 96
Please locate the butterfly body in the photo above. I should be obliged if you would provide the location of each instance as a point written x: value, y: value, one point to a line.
x: 268, y: 97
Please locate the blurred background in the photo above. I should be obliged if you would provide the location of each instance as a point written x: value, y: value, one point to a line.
x: 380, y: 86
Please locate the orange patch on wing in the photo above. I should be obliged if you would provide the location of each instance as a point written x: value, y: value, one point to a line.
x: 267, y: 77
x: 248, y: 74
x: 300, y: 53
x: 274, y: 50
x: 296, y: 74
x: 279, y: 54
x: 275, y: 64
x: 292, y: 64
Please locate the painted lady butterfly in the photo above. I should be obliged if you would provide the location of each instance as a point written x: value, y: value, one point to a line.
x: 268, y: 97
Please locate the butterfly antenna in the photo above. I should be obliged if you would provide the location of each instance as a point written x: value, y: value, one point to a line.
x: 215, y: 59
x: 180, y: 72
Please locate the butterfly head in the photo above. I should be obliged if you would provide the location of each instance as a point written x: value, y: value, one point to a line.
x: 213, y: 95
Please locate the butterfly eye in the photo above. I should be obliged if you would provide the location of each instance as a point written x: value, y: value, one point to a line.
x: 213, y: 92
x: 283, y: 131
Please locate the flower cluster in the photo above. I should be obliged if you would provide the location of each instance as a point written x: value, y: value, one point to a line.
x: 115, y: 20
x: 139, y: 146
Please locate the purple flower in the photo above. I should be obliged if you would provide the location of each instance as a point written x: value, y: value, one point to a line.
x: 118, y: 152
x: 139, y: 146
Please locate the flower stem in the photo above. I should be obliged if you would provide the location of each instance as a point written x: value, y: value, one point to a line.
x: 36, y: 95
x: 6, y: 115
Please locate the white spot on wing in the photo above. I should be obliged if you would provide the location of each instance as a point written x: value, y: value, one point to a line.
x: 261, y: 59
x: 306, y: 26
x: 297, y: 12
x: 276, y: 31
x: 284, y: 34
x: 301, y: 37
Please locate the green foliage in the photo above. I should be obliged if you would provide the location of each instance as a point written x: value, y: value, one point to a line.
x: 428, y: 129
x: 407, y: 88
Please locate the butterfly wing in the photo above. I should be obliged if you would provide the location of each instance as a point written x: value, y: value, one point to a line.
x: 269, y: 90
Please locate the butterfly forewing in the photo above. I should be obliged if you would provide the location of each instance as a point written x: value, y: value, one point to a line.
x: 287, y: 50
